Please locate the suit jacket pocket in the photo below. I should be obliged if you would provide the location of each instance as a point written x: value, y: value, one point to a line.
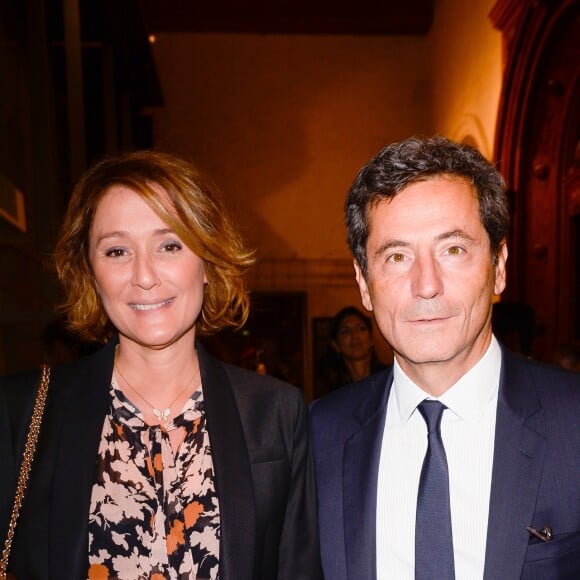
x: 555, y: 560
x: 559, y: 546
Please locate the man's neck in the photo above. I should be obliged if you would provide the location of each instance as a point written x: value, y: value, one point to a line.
x: 435, y: 378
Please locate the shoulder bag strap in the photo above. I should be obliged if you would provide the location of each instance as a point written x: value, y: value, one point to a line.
x: 27, y: 457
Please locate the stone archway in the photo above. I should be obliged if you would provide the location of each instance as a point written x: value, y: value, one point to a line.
x: 537, y: 145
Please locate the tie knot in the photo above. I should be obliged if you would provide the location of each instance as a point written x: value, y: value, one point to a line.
x: 432, y: 412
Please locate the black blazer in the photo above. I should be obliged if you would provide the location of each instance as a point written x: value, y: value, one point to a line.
x: 259, y: 433
x: 535, y: 477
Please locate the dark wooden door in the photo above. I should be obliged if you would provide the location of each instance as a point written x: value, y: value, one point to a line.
x: 538, y: 149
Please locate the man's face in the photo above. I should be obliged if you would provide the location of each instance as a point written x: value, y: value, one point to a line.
x: 431, y: 276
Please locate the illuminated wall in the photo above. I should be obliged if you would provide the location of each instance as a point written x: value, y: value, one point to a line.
x: 284, y: 122
x: 465, y: 72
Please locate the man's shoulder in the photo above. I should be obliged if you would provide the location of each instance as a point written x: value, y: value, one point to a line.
x: 541, y: 373
x: 554, y: 387
x: 349, y: 399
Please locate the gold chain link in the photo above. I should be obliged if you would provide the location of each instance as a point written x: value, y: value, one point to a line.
x: 27, y: 458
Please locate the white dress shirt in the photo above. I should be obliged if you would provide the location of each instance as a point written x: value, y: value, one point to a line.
x: 467, y: 430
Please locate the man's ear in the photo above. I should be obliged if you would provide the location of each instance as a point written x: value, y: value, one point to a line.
x: 362, y: 286
x: 335, y: 346
x: 500, y: 268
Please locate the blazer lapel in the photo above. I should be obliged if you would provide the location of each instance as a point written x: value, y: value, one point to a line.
x: 232, y: 471
x: 82, y: 407
x: 361, y: 466
x: 517, y: 467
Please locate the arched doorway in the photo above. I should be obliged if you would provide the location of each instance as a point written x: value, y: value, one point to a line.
x: 537, y: 145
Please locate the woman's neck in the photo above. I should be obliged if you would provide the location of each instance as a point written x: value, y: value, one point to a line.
x: 359, y: 368
x: 158, y: 375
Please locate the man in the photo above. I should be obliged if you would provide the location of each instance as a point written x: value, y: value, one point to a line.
x: 463, y: 460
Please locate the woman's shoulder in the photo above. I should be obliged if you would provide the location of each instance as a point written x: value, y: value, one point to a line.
x: 25, y: 382
x: 249, y: 380
x: 267, y: 405
x: 19, y: 386
x: 17, y: 394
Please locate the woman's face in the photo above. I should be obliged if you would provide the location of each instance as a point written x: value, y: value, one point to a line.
x: 353, y: 339
x: 150, y: 283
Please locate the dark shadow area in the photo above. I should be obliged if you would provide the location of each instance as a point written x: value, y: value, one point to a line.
x: 514, y: 324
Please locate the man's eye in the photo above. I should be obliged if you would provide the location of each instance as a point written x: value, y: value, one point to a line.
x: 396, y: 258
x: 455, y: 251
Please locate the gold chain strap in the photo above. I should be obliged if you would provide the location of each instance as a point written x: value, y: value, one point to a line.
x: 27, y: 458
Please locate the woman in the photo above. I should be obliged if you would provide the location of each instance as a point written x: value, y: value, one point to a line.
x: 154, y: 459
x: 351, y: 354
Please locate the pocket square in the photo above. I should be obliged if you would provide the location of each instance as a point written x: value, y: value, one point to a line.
x: 545, y: 534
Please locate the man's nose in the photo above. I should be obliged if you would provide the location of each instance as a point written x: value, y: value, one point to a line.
x: 426, y: 277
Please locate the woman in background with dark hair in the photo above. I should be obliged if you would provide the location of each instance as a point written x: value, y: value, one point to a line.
x: 154, y: 459
x: 351, y: 355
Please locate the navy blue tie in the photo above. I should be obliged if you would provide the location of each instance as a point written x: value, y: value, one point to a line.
x: 433, y: 536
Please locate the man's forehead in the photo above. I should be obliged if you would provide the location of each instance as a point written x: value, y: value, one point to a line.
x: 449, y: 213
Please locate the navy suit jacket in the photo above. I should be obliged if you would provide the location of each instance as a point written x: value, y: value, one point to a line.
x: 535, y: 478
x: 259, y: 433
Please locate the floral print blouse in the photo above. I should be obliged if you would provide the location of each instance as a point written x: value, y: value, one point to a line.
x: 154, y: 513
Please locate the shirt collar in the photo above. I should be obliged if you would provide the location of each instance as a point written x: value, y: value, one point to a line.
x: 467, y: 398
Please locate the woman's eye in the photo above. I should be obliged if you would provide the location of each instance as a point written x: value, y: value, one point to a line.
x: 171, y: 247
x: 115, y: 252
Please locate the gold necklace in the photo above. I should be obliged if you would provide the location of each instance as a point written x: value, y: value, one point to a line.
x: 161, y: 414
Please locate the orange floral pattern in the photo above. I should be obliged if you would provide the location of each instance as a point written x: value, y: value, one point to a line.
x: 154, y: 513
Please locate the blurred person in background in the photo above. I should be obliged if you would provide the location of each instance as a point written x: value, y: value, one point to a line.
x: 351, y: 354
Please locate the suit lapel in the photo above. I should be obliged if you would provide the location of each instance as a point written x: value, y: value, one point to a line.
x: 517, y: 467
x: 232, y: 471
x: 361, y: 467
x: 77, y: 425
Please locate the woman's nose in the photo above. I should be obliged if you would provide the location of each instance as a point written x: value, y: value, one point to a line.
x: 145, y: 272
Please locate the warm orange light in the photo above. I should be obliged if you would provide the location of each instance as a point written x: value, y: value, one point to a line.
x: 152, y: 38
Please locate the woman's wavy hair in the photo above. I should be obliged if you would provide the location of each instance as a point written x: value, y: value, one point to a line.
x: 189, y: 204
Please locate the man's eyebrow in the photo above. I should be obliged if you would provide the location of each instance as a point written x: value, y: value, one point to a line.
x: 390, y: 244
x: 455, y: 234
